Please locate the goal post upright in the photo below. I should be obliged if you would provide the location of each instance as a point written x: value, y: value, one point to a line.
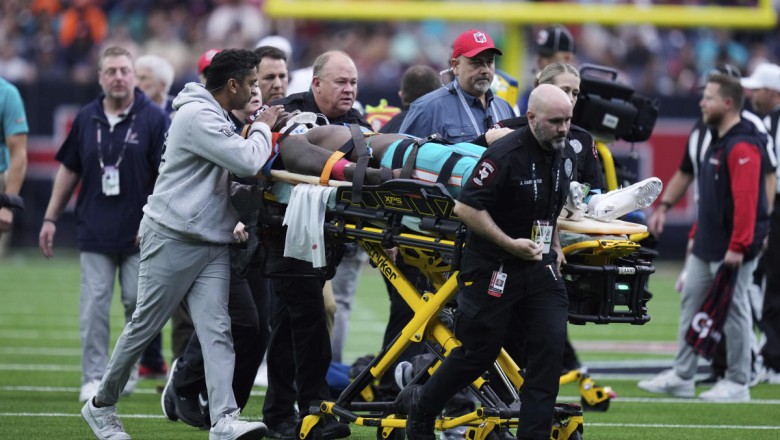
x: 513, y: 13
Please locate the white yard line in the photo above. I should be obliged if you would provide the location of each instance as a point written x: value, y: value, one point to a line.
x: 40, y: 351
x: 665, y: 400
x: 681, y: 426
x: 587, y: 424
x: 38, y: 367
x: 40, y: 389
x: 47, y: 335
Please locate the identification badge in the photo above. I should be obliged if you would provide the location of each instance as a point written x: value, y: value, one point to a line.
x: 110, y: 180
x: 541, y: 234
x: 497, y: 283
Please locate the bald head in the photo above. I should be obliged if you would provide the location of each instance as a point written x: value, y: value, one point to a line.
x: 335, y: 83
x: 549, y: 116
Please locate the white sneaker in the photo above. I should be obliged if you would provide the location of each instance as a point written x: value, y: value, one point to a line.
x: 88, y: 390
x: 404, y: 373
x: 575, y: 207
x: 617, y: 203
x: 668, y: 382
x: 456, y: 433
x: 132, y: 382
x: 758, y: 371
x: 772, y: 376
x: 727, y: 391
x: 230, y: 428
x: 104, y: 422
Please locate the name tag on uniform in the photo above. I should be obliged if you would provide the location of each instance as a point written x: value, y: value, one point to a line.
x: 541, y: 234
x: 110, y: 180
x: 497, y: 283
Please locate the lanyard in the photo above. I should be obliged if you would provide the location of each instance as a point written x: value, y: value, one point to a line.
x: 111, y: 144
x: 466, y: 107
x: 557, y: 171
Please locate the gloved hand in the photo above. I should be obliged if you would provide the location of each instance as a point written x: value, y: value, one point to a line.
x: 11, y: 201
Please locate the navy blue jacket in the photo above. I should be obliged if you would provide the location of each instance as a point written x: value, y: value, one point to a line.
x: 109, y: 224
x: 733, y: 205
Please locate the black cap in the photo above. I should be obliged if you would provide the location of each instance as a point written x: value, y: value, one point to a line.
x: 553, y: 39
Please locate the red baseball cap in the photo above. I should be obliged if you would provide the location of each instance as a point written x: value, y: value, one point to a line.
x: 473, y: 42
x: 205, y: 60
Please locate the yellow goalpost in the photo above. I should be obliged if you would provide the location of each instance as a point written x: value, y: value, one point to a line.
x: 761, y: 16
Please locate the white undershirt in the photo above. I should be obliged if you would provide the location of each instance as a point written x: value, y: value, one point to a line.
x: 115, y: 119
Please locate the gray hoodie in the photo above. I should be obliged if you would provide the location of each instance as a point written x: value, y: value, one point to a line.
x: 191, y: 198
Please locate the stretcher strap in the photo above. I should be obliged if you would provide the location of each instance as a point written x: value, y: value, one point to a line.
x: 411, y: 161
x: 335, y: 157
x: 400, y: 150
x: 408, y: 167
x: 446, y: 169
x: 343, y: 151
x: 361, y: 151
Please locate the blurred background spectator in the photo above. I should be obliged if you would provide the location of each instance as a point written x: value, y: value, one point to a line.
x: 48, y: 49
x: 50, y: 39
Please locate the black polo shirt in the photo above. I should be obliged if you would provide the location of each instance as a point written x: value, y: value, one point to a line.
x: 588, y: 164
x: 304, y: 101
x: 517, y: 182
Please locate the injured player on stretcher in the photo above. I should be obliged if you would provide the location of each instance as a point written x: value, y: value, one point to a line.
x: 333, y: 152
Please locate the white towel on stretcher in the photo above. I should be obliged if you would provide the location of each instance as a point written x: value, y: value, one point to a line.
x: 304, y: 219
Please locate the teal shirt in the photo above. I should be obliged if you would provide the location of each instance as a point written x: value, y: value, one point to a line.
x: 14, y: 120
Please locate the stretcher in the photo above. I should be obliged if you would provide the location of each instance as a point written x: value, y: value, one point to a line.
x: 379, y: 221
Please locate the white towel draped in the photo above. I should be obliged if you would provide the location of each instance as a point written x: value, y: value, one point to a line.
x: 304, y: 219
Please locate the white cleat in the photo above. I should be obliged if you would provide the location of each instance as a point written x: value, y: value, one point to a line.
x: 88, y: 390
x: 727, y: 391
x: 230, y: 428
x: 575, y: 207
x: 668, y: 382
x: 617, y: 203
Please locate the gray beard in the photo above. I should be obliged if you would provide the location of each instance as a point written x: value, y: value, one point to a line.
x: 558, y: 144
x: 482, y: 86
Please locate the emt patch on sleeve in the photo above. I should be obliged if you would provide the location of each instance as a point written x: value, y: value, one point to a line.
x: 484, y: 173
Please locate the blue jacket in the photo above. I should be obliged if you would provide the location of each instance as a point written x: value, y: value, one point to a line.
x: 442, y: 111
x: 109, y: 224
x: 733, y: 206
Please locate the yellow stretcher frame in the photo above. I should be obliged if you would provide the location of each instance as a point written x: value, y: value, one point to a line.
x: 374, y: 225
x: 425, y: 324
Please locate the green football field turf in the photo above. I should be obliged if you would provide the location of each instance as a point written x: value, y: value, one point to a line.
x: 40, y: 364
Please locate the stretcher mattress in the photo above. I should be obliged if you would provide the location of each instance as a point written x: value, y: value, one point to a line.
x: 286, y: 180
x: 592, y: 226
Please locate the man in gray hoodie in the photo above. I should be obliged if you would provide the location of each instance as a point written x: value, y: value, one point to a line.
x: 187, y: 225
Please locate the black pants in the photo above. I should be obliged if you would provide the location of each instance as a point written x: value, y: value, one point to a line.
x: 299, y: 348
x: 535, y: 303
x: 152, y: 356
x: 771, y: 311
x: 247, y: 309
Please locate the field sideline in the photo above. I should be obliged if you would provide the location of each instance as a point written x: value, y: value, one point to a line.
x: 40, y: 364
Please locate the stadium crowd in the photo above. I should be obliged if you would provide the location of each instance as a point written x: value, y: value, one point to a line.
x: 56, y: 39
